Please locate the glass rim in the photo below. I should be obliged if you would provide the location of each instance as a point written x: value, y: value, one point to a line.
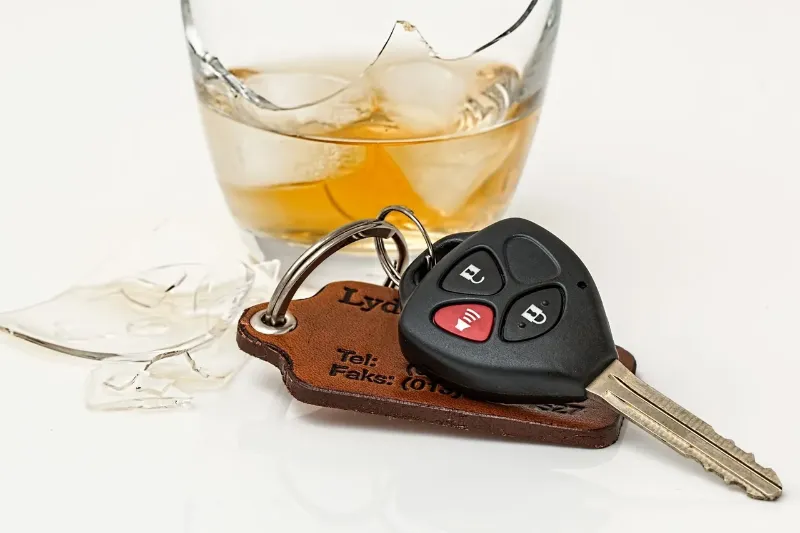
x: 217, y: 69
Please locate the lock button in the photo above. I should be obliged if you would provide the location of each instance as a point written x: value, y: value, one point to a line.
x: 476, y: 274
x: 533, y: 314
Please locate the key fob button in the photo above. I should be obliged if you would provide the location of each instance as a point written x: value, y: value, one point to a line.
x: 528, y: 261
x: 468, y: 321
x: 533, y: 315
x: 477, y: 273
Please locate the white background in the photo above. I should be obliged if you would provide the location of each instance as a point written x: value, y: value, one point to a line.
x: 667, y: 158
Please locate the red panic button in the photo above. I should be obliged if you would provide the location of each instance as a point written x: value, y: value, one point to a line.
x: 468, y: 321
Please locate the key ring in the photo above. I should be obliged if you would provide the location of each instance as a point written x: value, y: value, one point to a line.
x: 391, y: 271
x: 276, y: 319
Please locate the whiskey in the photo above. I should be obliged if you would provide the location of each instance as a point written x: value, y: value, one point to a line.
x: 449, y: 144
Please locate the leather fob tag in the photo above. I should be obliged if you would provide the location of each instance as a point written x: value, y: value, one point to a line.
x: 344, y: 353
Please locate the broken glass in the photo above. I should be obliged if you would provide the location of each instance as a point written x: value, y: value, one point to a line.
x: 161, y: 334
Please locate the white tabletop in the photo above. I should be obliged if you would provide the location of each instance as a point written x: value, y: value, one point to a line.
x: 667, y: 158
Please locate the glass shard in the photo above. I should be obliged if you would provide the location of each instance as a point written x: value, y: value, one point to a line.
x: 171, y: 377
x: 120, y: 385
x: 171, y: 308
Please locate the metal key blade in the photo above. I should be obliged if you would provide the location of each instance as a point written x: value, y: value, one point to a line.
x: 683, y: 431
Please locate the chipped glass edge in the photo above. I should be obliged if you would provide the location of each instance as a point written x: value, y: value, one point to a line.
x: 210, y: 65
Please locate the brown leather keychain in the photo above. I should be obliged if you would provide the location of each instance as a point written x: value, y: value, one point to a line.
x: 339, y: 349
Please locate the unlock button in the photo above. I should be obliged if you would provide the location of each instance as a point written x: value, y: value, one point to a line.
x: 533, y: 315
x: 477, y: 273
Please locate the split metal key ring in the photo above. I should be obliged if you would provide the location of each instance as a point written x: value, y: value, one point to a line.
x: 276, y: 319
x: 391, y: 270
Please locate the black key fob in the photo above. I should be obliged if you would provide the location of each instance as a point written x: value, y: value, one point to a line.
x: 507, y: 314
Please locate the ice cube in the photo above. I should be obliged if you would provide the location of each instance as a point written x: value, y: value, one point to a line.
x: 445, y: 173
x: 246, y: 156
x: 314, y: 102
x: 257, y: 147
x: 421, y: 96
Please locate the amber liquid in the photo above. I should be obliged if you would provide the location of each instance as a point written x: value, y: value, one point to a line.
x: 452, y: 181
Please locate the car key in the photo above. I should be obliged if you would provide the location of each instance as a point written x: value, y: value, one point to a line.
x: 511, y: 314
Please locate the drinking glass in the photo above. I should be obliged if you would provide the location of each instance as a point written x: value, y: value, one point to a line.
x: 318, y: 113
